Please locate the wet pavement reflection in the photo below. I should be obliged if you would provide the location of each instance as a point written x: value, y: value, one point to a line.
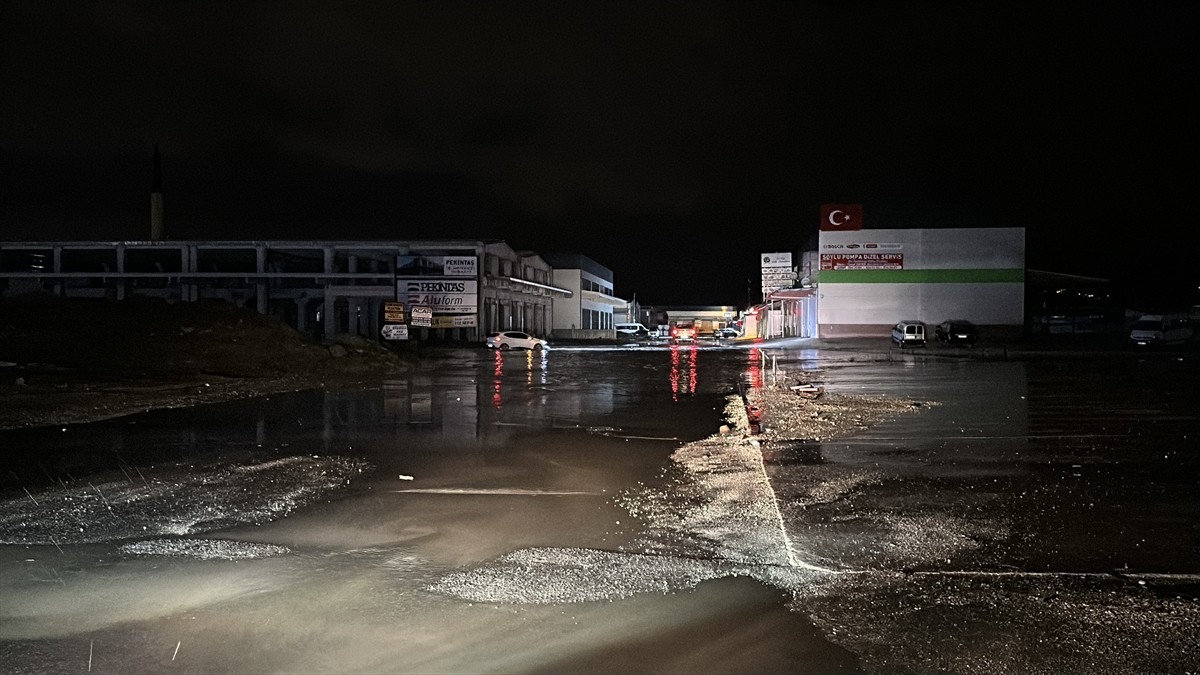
x: 576, y: 509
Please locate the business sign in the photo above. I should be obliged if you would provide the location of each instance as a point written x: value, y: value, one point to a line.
x: 421, y: 316
x: 773, y: 260
x: 437, y: 266
x: 394, y: 331
x: 789, y: 275
x: 461, y: 321
x: 393, y: 312
x: 862, y: 261
x: 443, y: 295
x: 841, y: 217
x: 460, y: 266
x: 777, y: 272
x: 863, y: 246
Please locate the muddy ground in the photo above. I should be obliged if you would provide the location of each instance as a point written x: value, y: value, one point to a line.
x: 66, y: 361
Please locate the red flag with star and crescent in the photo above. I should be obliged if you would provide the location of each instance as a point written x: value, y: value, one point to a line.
x: 841, y: 217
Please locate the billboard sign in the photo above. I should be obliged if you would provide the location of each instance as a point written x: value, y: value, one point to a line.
x: 442, y: 295
x: 460, y: 321
x: 421, y: 316
x: 862, y: 261
x: 773, y: 260
x: 459, y: 266
x: 394, y: 331
x: 393, y: 312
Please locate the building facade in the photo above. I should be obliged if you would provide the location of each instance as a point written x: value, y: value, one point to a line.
x: 871, y: 279
x: 588, y: 313
x: 321, y: 288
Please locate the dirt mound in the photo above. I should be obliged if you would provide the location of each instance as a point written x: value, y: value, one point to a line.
x: 147, y: 337
x: 71, y: 360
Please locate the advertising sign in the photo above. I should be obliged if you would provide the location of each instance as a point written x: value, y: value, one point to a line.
x: 862, y: 261
x: 771, y: 260
x: 422, y: 316
x: 779, y: 276
x: 437, y: 265
x: 393, y: 312
x: 460, y: 266
x: 394, y: 331
x: 442, y: 295
x: 468, y: 321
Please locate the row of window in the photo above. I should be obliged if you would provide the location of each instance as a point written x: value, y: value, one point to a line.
x: 589, y: 285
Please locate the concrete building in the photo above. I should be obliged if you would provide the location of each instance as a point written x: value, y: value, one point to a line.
x: 871, y: 279
x: 588, y: 312
x: 322, y: 288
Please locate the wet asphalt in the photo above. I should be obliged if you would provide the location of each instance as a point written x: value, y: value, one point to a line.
x: 572, y: 512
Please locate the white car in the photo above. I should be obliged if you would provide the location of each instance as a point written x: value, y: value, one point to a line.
x: 909, y: 333
x: 515, y: 339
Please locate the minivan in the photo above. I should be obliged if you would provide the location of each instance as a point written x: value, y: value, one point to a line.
x: 1160, y: 329
x: 635, y: 329
x: 683, y: 331
x: 909, y: 334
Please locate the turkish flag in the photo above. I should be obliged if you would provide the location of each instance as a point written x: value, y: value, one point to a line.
x: 841, y: 217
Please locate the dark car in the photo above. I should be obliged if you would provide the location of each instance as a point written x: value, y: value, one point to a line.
x: 956, y: 332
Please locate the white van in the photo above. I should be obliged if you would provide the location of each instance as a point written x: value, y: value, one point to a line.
x: 909, y: 334
x: 635, y: 329
x: 1161, y: 329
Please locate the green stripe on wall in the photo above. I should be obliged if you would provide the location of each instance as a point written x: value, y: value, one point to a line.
x: 972, y: 276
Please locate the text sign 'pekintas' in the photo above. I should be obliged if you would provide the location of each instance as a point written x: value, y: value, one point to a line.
x: 444, y: 296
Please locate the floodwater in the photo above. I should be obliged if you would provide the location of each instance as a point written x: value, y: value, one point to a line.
x: 577, y: 511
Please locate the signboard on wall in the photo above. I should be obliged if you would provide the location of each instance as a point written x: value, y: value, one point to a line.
x: 458, y: 266
x: 394, y: 331
x: 462, y: 321
x: 393, y: 312
x: 862, y: 261
x: 421, y: 316
x: 442, y: 295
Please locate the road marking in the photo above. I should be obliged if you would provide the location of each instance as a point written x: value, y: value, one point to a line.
x: 496, y: 491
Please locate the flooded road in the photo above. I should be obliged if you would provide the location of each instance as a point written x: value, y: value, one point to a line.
x: 577, y: 510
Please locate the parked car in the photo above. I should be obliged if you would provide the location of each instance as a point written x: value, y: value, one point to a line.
x: 1161, y: 329
x: 956, y: 332
x: 683, y: 331
x: 726, y: 333
x: 515, y: 339
x: 909, y: 334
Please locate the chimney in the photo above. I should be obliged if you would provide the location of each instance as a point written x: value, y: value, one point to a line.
x: 157, y: 233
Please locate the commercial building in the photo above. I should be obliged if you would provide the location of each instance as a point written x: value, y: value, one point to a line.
x: 860, y: 282
x: 588, y: 311
x: 465, y: 288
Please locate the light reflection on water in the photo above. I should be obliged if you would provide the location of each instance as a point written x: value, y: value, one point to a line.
x: 465, y: 398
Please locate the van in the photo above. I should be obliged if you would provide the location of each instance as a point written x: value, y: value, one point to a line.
x: 683, y: 331
x: 909, y: 334
x: 1160, y: 329
x: 634, y: 329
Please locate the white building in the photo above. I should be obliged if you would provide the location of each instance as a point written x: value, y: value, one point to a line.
x: 871, y: 279
x: 587, y: 313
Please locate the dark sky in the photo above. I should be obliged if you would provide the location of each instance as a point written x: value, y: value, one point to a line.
x: 670, y: 141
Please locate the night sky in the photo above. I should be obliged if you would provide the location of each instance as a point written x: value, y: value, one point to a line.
x: 670, y: 141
